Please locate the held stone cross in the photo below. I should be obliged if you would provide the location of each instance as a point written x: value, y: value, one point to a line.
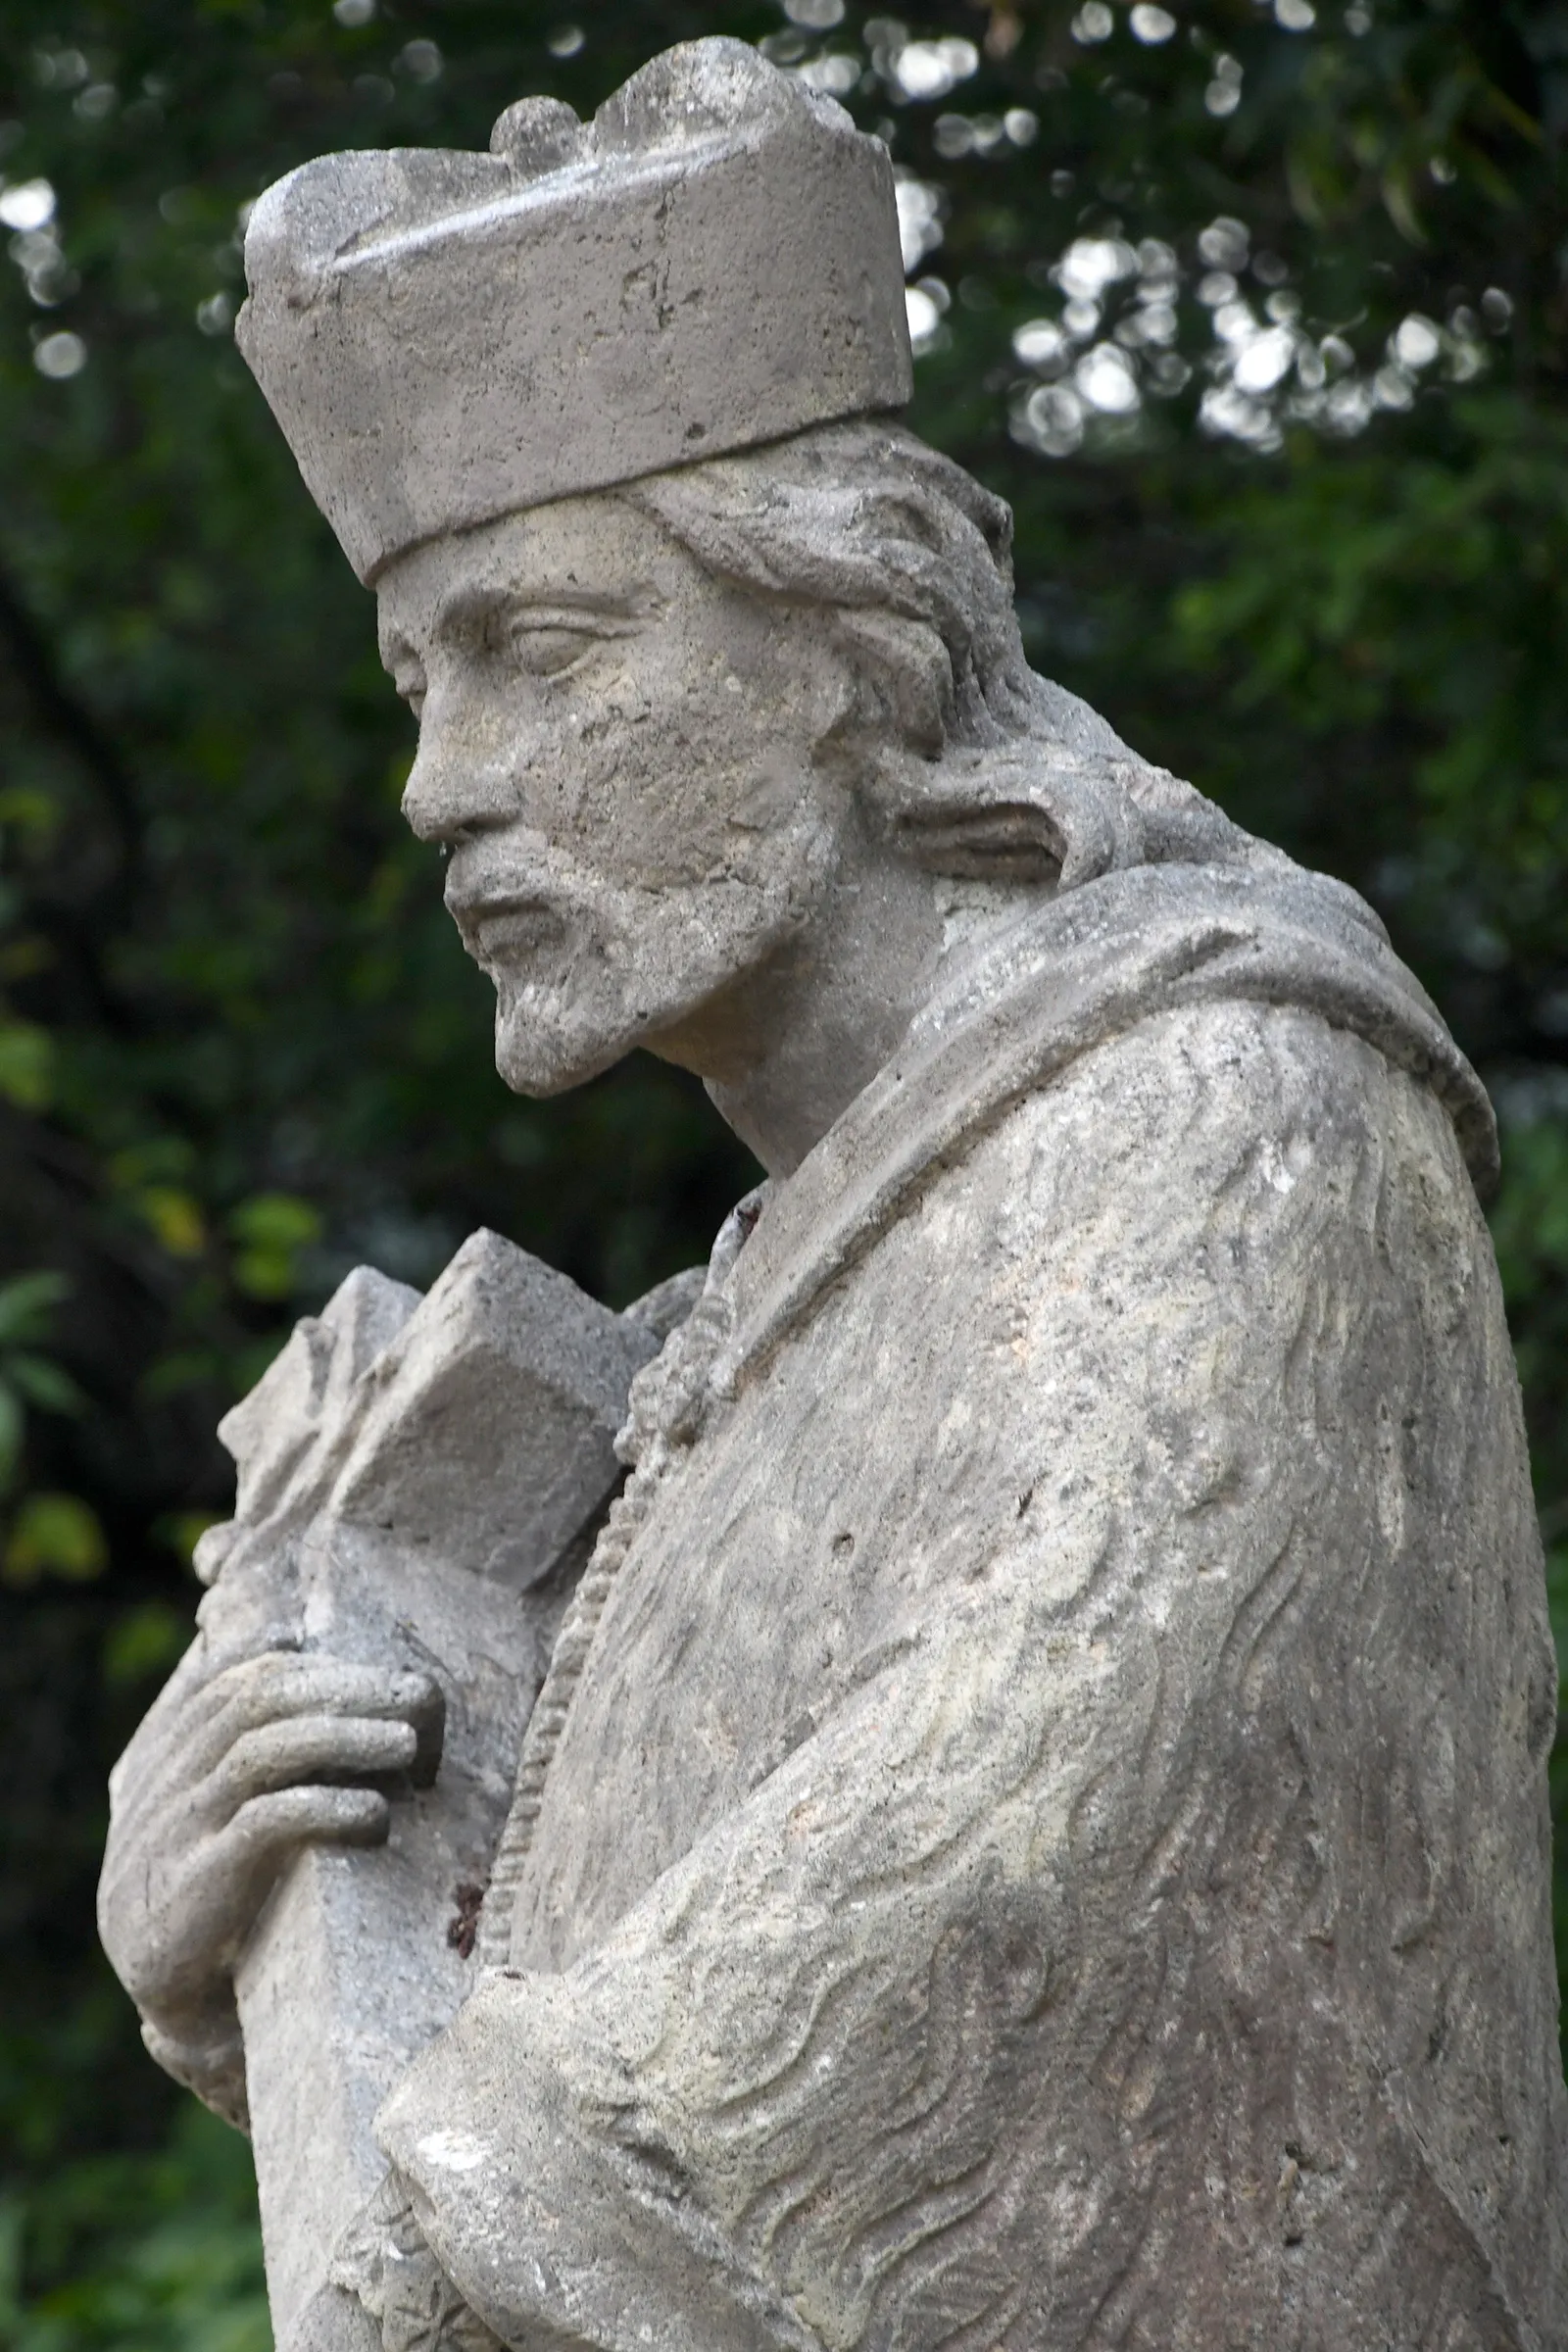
x: 419, y: 1483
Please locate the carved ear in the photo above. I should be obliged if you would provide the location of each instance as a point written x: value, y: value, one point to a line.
x: 1029, y: 811
x: 1011, y: 841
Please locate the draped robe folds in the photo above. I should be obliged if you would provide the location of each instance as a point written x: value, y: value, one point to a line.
x: 1041, y: 1840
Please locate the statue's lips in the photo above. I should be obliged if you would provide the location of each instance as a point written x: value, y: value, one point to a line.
x: 502, y: 928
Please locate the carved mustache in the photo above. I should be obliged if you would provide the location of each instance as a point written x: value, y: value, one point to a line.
x: 507, y: 923
x: 514, y: 902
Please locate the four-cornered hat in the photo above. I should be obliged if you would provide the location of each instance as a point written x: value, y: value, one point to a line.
x: 445, y: 337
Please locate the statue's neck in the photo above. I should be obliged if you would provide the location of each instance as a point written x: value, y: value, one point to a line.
x: 791, y: 1044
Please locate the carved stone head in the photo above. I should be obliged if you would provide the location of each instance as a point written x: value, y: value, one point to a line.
x: 707, y: 652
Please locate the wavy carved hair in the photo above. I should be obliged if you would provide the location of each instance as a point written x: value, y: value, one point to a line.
x: 977, y: 765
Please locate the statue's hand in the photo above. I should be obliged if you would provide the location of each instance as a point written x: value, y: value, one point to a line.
x: 232, y: 1771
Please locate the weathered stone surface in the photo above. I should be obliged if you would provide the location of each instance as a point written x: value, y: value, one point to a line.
x: 489, y: 1429
x: 327, y: 2036
x: 416, y: 1481
x: 710, y: 263
x: 1033, y: 1832
x: 1075, y: 1822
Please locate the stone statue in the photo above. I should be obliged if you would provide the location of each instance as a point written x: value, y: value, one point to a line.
x: 1034, y: 1829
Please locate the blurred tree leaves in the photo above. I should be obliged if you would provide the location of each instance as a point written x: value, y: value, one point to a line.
x: 49, y: 1535
x: 1256, y: 313
x: 28, y: 1302
x: 175, y: 2261
x: 54, y: 1535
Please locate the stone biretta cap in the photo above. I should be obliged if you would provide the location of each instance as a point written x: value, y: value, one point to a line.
x: 446, y: 336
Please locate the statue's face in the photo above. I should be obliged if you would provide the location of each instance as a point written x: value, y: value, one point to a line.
x: 616, y: 749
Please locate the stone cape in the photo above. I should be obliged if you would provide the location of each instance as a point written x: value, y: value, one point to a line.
x: 1048, y: 1851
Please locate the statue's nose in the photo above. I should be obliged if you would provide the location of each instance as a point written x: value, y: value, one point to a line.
x: 428, y: 803
x: 466, y: 778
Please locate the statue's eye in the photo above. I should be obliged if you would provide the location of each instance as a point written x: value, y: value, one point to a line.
x: 548, y: 649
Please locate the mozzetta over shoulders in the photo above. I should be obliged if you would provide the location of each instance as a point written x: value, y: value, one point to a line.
x: 1086, y: 968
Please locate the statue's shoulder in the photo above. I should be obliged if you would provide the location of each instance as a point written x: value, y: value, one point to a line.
x: 1102, y: 1033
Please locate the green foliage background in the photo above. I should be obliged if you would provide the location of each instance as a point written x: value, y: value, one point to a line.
x: 239, y: 1047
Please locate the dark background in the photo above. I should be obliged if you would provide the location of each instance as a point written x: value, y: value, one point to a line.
x: 240, y: 1049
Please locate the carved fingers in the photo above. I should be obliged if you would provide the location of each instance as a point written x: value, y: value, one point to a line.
x: 234, y: 1870
x: 310, y: 1748
x: 230, y: 1776
x: 278, y: 1684
x: 293, y: 1715
x: 267, y: 1826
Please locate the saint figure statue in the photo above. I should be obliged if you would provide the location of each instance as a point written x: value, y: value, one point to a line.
x: 1035, y: 1830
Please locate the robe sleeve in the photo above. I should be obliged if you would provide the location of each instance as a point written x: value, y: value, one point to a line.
x: 882, y: 2050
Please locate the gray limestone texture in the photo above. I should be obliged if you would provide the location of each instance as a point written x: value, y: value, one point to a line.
x: 1031, y: 1833
x: 579, y: 305
x: 418, y: 1483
